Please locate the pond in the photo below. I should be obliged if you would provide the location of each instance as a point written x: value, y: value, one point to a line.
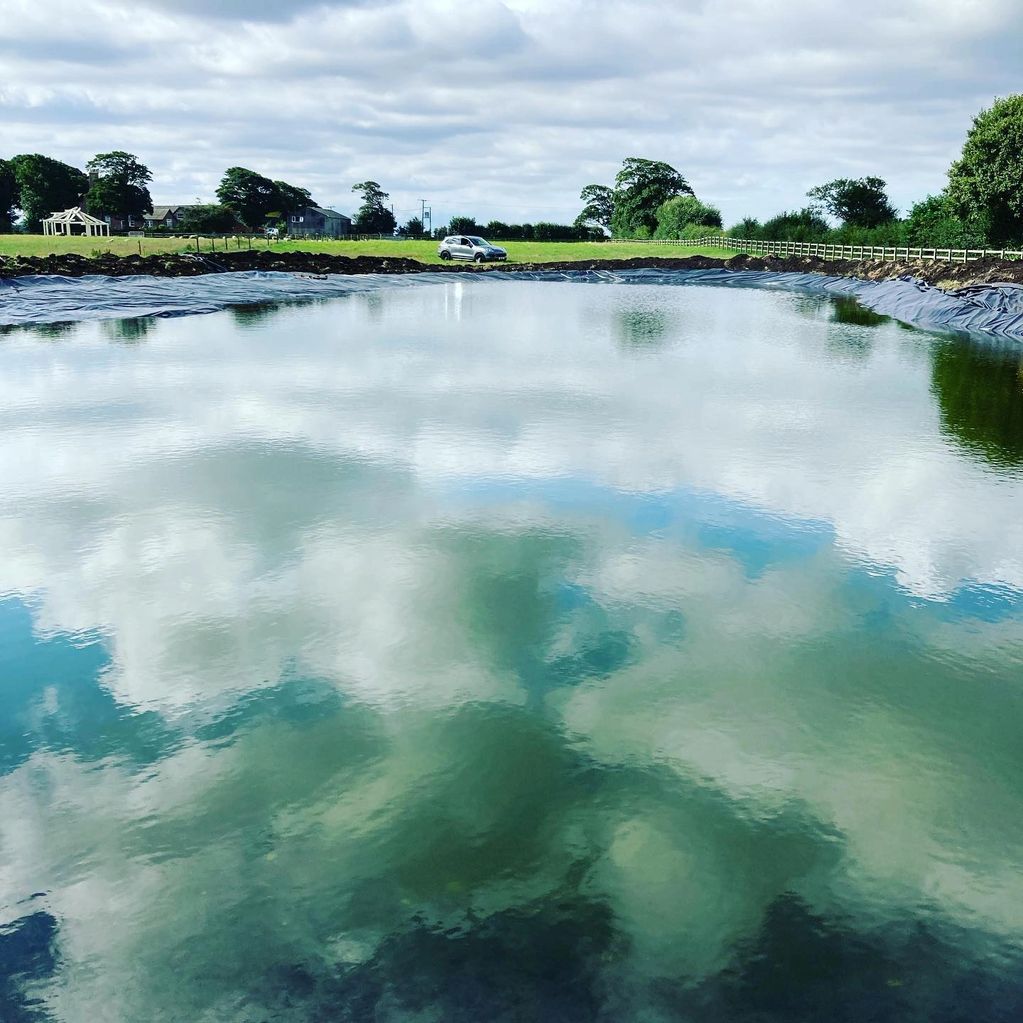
x: 511, y: 650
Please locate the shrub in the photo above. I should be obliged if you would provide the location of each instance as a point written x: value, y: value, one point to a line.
x: 934, y: 224
x: 682, y: 211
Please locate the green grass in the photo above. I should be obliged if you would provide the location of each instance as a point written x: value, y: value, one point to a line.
x: 518, y: 252
x: 424, y: 251
x: 41, y: 245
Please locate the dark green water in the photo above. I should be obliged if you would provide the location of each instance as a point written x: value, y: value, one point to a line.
x: 511, y: 651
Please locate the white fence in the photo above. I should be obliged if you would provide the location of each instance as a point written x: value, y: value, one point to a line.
x: 892, y: 252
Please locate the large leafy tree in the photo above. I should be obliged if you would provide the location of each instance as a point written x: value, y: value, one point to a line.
x: 117, y: 185
x: 212, y: 218
x: 291, y: 198
x: 599, y: 207
x: 641, y: 188
x: 373, y: 217
x: 683, y: 211
x: 46, y: 186
x: 859, y: 202
x: 8, y: 195
x: 463, y: 225
x: 249, y: 195
x: 986, y: 182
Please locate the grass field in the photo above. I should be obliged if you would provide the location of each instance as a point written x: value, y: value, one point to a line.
x: 518, y: 252
x: 424, y: 251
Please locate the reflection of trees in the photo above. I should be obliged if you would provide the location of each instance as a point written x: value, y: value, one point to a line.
x: 252, y: 314
x: 46, y: 331
x: 845, y: 309
x: 979, y: 390
x: 131, y: 331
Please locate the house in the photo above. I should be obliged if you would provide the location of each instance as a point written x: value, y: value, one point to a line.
x: 123, y: 222
x: 317, y: 222
x: 167, y: 218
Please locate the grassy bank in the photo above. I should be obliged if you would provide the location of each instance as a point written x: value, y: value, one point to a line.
x: 424, y: 251
x: 518, y: 252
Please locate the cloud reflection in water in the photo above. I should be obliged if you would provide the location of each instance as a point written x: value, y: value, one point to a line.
x: 445, y: 658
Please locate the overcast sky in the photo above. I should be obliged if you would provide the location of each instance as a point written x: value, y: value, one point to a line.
x: 504, y: 109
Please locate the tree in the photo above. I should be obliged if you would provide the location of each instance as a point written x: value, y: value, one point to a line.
x: 599, y: 208
x: 413, y: 228
x: 641, y: 187
x: 46, y: 186
x: 463, y: 225
x: 682, y: 211
x: 117, y: 185
x: 806, y: 225
x: 291, y: 198
x: 497, y: 230
x: 986, y: 183
x: 249, y: 195
x: 373, y: 217
x: 860, y: 202
x: 212, y: 219
x: 8, y: 195
x: 748, y: 227
x: 933, y: 223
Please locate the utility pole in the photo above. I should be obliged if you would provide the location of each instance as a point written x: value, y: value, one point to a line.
x: 422, y: 214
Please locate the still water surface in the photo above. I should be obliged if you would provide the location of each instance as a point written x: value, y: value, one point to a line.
x: 511, y: 651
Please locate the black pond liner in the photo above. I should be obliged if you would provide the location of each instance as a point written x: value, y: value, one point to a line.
x: 987, y: 309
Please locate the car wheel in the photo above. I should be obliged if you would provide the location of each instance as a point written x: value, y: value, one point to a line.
x: 444, y: 254
x: 478, y: 258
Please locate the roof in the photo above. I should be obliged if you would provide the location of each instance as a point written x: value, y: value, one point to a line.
x: 160, y: 212
x: 329, y: 214
x: 75, y: 215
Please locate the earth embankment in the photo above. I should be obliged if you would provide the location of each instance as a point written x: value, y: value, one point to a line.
x: 947, y: 276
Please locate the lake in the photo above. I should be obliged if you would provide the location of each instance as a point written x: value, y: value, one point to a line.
x: 506, y: 650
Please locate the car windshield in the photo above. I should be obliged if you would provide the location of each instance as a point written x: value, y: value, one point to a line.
x: 478, y: 241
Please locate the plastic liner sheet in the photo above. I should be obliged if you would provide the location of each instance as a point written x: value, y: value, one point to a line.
x: 992, y: 309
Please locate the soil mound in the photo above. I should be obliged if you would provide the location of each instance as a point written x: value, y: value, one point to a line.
x: 947, y: 276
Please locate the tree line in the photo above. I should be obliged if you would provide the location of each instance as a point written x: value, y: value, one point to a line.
x: 981, y: 206
x: 116, y: 184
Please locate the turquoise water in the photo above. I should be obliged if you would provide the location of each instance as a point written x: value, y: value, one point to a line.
x: 511, y: 651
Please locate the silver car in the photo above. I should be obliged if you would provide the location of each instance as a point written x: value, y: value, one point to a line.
x: 470, y: 247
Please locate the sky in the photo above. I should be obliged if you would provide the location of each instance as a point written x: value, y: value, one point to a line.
x: 505, y: 109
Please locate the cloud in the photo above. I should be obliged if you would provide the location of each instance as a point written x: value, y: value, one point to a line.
x: 506, y: 109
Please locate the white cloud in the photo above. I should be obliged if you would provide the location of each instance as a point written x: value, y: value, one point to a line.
x: 506, y: 109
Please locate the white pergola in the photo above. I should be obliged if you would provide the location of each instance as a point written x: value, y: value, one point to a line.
x: 69, y: 220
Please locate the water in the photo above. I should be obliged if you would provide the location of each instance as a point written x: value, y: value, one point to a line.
x: 511, y: 651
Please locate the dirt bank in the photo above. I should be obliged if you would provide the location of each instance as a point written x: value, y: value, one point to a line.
x: 942, y: 275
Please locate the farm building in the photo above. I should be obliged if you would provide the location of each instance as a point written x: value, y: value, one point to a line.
x: 315, y: 221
